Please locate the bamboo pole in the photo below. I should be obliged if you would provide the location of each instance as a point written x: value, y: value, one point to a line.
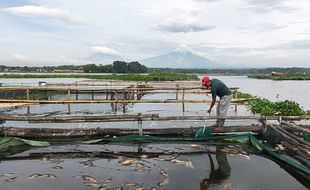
x: 28, y: 98
x: 183, y: 105
x: 293, y: 141
x: 68, y: 98
x: 177, y: 92
x: 296, y: 127
x: 300, y: 140
x: 101, y: 132
x: 145, y: 117
x: 236, y: 98
x: 140, y: 124
x: 74, y: 88
x: 76, y: 95
x: 234, y: 101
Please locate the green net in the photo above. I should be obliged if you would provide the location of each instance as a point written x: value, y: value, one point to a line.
x: 201, y: 136
x: 8, y: 142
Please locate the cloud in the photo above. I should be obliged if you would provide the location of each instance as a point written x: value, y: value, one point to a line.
x: 22, y: 59
x: 176, y: 26
x: 105, y: 54
x: 264, y: 6
x: 45, y: 12
x: 297, y: 45
x: 105, y: 50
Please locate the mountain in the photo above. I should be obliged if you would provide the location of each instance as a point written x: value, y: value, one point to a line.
x: 180, y: 59
x: 103, y: 57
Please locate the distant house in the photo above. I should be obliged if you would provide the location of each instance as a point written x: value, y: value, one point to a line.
x: 277, y: 74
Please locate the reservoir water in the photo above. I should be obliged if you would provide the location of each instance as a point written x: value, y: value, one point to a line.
x: 227, y: 167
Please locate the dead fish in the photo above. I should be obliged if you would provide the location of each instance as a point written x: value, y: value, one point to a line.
x: 87, y: 163
x: 9, y: 179
x: 89, y: 178
x: 91, y: 184
x: 194, y: 146
x: 51, y: 176
x: 164, y: 182
x: 186, y: 163
x: 131, y: 184
x: 158, y: 158
x: 280, y: 146
x: 58, y: 167
x: 143, y: 156
x: 37, y: 175
x: 140, y: 166
x: 245, y: 156
x: 140, y: 188
x: 77, y: 177
x: 126, y: 162
x: 7, y: 175
x: 164, y: 173
x: 107, y: 181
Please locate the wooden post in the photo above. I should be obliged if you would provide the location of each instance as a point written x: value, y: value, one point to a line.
x: 115, y: 104
x: 124, y: 105
x: 236, y: 98
x: 76, y: 94
x: 140, y: 124
x: 28, y: 98
x: 177, y: 92
x: 107, y: 96
x: 28, y: 94
x: 68, y: 98
x: 183, y: 96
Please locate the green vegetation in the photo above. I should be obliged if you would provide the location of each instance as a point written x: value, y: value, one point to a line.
x: 135, y: 67
x: 116, y: 67
x: 288, y: 76
x: 268, y: 108
x: 156, y: 76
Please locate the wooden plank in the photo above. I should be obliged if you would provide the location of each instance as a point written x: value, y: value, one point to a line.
x: 101, y: 132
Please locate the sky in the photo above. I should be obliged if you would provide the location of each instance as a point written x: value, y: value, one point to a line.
x: 254, y: 33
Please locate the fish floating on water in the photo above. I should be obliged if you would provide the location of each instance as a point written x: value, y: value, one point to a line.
x: 88, y: 163
x: 58, y: 167
x: 187, y: 163
x: 38, y: 175
x: 163, y: 173
x: 8, y: 177
x: 131, y: 184
x: 163, y: 182
x: 126, y: 162
x: 91, y: 181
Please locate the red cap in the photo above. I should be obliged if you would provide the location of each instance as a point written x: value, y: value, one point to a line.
x: 205, y: 80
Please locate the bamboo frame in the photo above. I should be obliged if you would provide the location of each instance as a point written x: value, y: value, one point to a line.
x: 143, y: 117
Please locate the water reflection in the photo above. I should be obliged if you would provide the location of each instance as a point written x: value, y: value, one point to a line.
x: 218, y: 175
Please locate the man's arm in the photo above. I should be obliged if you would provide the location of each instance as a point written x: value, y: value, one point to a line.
x: 212, y: 104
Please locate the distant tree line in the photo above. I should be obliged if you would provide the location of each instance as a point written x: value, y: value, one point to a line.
x: 116, y: 67
x: 136, y: 67
x: 237, y: 71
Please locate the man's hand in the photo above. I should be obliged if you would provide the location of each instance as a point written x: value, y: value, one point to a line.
x: 209, y: 111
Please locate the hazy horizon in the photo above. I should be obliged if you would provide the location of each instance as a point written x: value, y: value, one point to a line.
x: 251, y: 33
